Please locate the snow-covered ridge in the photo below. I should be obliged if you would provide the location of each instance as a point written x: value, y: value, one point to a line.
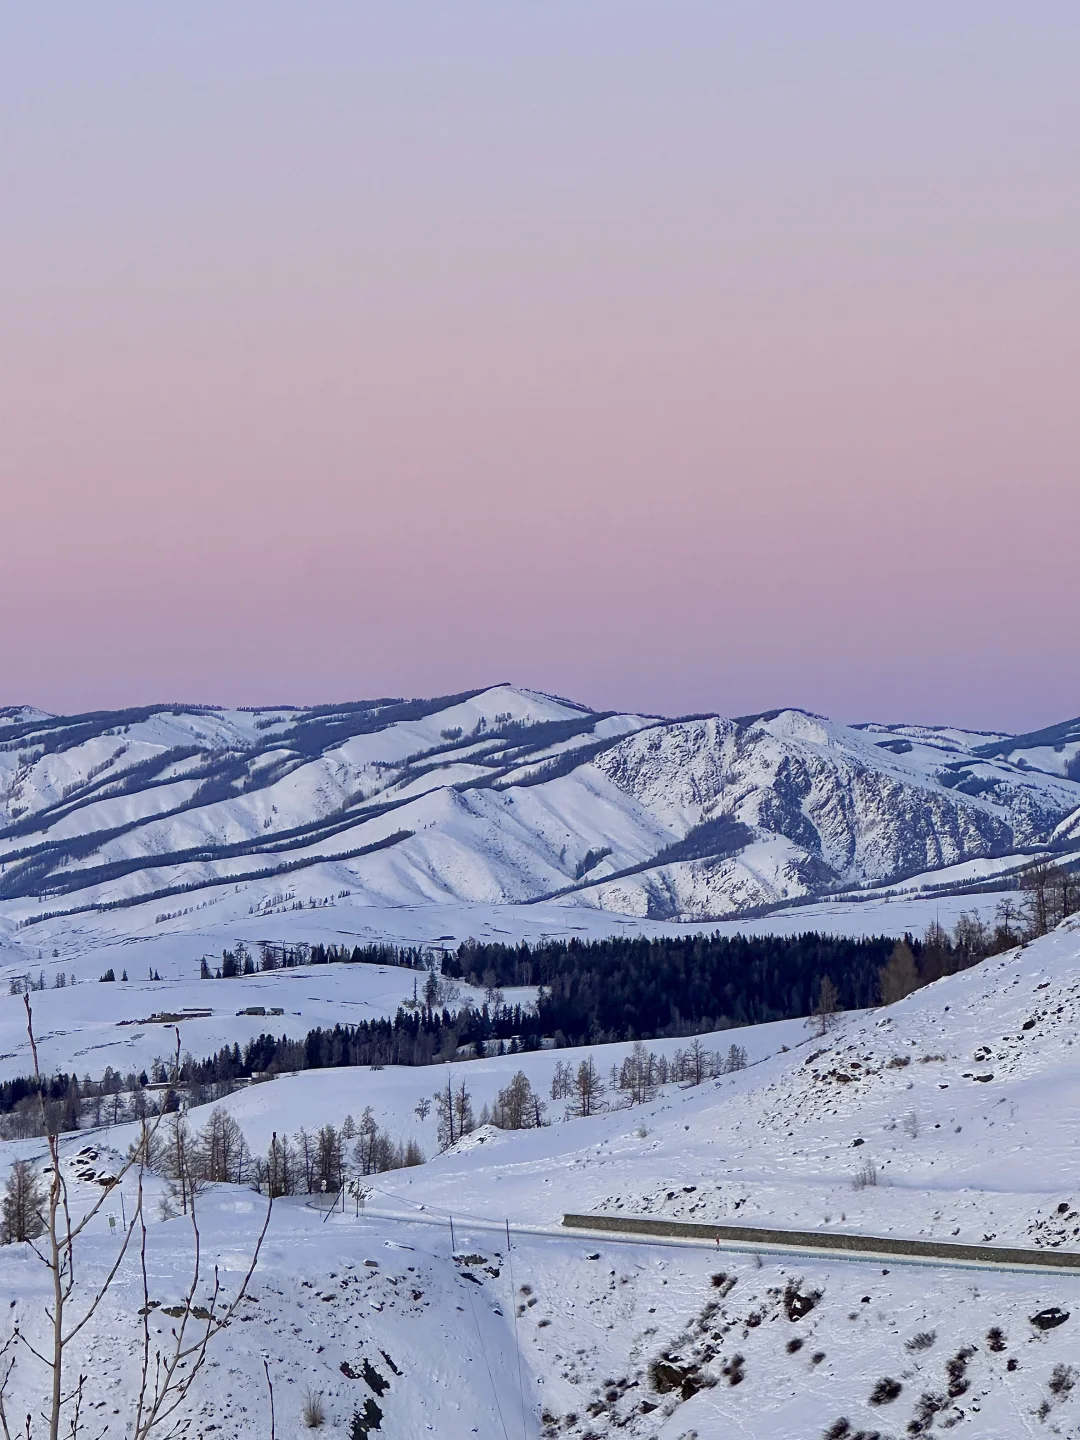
x: 505, y: 796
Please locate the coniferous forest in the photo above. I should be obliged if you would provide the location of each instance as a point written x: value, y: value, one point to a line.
x: 644, y: 987
x: 587, y: 993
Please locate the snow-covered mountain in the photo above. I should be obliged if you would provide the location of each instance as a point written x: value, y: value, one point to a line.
x: 501, y: 796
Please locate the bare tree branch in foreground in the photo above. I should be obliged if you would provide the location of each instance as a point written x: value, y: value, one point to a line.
x: 174, y: 1365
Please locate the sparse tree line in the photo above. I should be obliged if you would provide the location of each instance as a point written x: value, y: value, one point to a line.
x: 640, y: 1076
x: 28, y: 984
x: 276, y: 955
x: 428, y: 1031
x: 323, y: 1160
x: 1052, y: 895
x: 31, y: 1106
x: 310, y: 1162
x: 424, y: 1035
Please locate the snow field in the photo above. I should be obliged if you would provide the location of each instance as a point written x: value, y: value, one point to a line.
x: 962, y: 1100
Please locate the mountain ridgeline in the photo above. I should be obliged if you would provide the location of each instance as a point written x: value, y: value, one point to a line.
x: 507, y: 795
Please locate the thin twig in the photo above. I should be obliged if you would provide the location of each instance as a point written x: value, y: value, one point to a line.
x: 270, y: 1387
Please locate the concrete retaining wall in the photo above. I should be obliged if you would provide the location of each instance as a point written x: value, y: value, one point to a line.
x: 871, y: 1245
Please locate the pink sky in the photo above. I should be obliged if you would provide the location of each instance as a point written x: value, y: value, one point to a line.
x: 674, y: 358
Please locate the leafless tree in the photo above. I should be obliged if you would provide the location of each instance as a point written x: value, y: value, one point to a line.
x: 1038, y: 882
x: 587, y: 1095
x: 1007, y: 917
x: 455, y: 1114
x: 223, y: 1150
x: 562, y: 1081
x: 183, y: 1162
x: 166, y: 1376
x: 277, y: 1174
x: 637, y: 1076
x: 463, y: 1110
x: 971, y: 939
x: 826, y: 1006
x: 20, y: 1210
x: 168, y: 1371
x: 305, y: 1152
x: 900, y: 976
x: 518, y: 1107
x: 699, y: 1063
x: 937, y: 954
x: 1064, y: 893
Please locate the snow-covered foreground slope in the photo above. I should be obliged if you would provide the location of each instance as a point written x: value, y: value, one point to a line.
x: 496, y: 797
x: 947, y: 1093
x: 961, y: 1102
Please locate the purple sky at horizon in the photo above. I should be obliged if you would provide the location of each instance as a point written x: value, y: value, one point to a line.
x: 672, y: 358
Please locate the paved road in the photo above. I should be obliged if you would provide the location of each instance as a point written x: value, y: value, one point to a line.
x: 858, y: 1249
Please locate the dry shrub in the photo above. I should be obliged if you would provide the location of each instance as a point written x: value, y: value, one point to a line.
x: 314, y: 1411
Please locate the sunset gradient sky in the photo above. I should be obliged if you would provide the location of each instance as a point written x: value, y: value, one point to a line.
x: 671, y: 356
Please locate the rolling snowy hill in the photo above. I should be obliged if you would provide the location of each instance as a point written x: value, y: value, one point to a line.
x: 959, y: 1100
x: 503, y: 796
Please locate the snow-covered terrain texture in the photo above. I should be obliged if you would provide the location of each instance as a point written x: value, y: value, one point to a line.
x: 128, y: 1026
x: 961, y: 1101
x: 499, y: 797
x: 504, y: 797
